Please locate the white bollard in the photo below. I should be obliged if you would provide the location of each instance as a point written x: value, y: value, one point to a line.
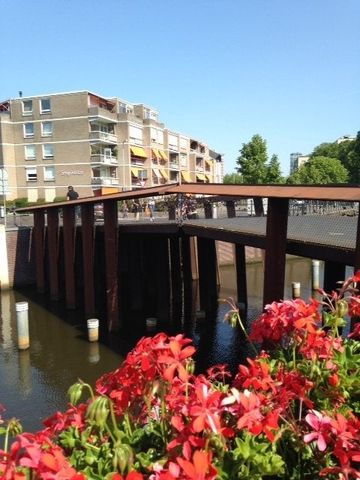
x: 94, y: 352
x: 93, y: 329
x: 296, y: 289
x: 22, y: 323
x: 151, y: 323
x: 315, y: 274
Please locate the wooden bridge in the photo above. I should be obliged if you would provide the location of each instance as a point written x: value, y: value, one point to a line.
x: 155, y: 262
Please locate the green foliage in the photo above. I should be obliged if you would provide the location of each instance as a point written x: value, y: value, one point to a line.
x: 320, y: 170
x: 254, y: 165
x: 60, y: 199
x: 233, y: 178
x: 21, y: 202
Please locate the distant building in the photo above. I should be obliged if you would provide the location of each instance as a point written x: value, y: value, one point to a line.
x: 345, y: 138
x: 95, y: 144
x: 297, y: 160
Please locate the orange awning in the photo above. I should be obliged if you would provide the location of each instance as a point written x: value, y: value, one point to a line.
x: 138, y: 152
x: 163, y: 155
x: 164, y: 173
x: 156, y: 153
x: 201, y: 176
x: 186, y: 176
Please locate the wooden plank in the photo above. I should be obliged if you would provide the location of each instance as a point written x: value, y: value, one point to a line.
x: 88, y: 241
x: 69, y: 255
x: 53, y: 249
x: 39, y: 232
x: 111, y: 264
x: 275, y: 252
x: 333, y: 272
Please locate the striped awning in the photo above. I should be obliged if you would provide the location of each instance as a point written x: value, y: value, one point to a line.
x: 186, y: 176
x: 157, y: 173
x: 156, y: 153
x: 209, y: 177
x: 201, y: 176
x: 138, y: 152
x: 163, y: 154
x: 208, y: 162
x: 164, y: 173
x: 135, y: 171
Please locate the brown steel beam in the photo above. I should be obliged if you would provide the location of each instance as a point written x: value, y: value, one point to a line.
x: 275, y: 252
x: 69, y: 255
x: 88, y: 240
x: 39, y: 232
x: 111, y: 264
x: 53, y: 249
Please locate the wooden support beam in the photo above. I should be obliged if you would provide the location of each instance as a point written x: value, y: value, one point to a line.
x: 111, y: 264
x: 176, y: 277
x: 39, y: 232
x: 53, y: 250
x: 240, y: 267
x: 208, y: 210
x: 275, y: 252
x: 357, y: 246
x: 88, y: 241
x: 69, y: 255
x: 230, y: 208
x: 207, y: 273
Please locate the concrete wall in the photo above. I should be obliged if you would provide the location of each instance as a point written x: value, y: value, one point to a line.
x: 20, y: 255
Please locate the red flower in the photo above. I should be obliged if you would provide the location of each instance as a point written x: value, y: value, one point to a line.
x: 174, y: 359
x: 320, y: 423
x: 200, y: 468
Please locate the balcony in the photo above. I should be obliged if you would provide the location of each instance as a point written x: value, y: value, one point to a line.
x: 103, y: 113
x: 104, y: 181
x: 105, y: 137
x: 103, y: 159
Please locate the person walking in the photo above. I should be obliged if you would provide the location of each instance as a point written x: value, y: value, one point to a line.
x: 71, y: 194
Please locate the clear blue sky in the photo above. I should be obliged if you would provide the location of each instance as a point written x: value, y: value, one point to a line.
x: 218, y: 70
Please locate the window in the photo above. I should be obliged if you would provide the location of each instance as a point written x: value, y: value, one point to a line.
x: 31, y: 174
x: 45, y: 106
x: 46, y: 129
x: 30, y: 152
x: 49, y: 174
x: 27, y: 107
x: 28, y: 130
x: 48, y: 150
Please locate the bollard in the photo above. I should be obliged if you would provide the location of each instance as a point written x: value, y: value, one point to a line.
x: 22, y: 323
x: 315, y: 273
x: 151, y: 323
x: 93, y: 329
x: 296, y: 288
x: 94, y: 352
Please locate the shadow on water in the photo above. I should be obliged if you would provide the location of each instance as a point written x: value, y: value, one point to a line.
x: 34, y: 382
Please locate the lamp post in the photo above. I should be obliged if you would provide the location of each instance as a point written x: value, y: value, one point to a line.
x: 3, y: 181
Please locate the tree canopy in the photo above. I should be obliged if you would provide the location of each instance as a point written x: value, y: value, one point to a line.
x: 320, y: 170
x: 253, y: 163
x: 233, y: 178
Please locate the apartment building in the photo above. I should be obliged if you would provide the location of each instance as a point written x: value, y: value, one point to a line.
x: 96, y: 144
x: 297, y: 160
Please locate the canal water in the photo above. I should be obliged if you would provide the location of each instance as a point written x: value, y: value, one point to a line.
x: 34, y: 383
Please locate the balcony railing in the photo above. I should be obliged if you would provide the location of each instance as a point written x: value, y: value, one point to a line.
x: 103, y: 159
x: 104, y: 181
x: 103, y: 136
x: 102, y: 112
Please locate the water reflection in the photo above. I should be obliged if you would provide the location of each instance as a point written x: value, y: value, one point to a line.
x: 34, y: 382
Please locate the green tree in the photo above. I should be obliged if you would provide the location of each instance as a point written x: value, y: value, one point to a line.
x: 320, y: 170
x: 252, y: 160
x: 233, y: 178
x: 352, y: 159
x: 274, y: 171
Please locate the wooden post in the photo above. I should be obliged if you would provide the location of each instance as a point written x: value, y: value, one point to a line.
x: 176, y: 278
x: 275, y: 252
x: 88, y: 239
x: 357, y: 247
x: 53, y: 249
x: 111, y: 264
x: 230, y: 207
x: 207, y: 273
x: 208, y: 210
x: 39, y: 231
x: 240, y: 266
x: 69, y: 255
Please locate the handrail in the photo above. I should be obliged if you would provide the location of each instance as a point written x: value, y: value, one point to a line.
x: 346, y: 193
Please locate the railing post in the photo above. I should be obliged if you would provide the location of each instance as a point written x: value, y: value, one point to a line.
x: 53, y: 249
x: 230, y: 207
x: 88, y: 240
x: 111, y: 264
x: 39, y: 231
x: 69, y: 254
x: 275, y: 253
